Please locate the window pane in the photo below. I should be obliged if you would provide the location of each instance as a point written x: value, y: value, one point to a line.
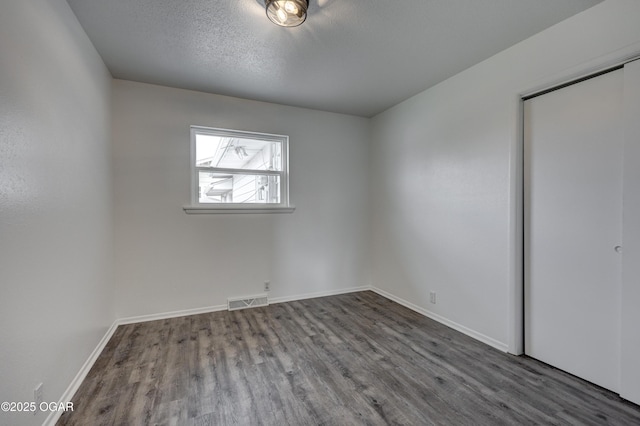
x: 238, y: 188
x: 237, y: 153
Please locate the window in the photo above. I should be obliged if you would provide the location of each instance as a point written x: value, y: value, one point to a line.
x: 238, y: 172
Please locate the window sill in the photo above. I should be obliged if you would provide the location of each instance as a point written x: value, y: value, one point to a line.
x: 237, y: 210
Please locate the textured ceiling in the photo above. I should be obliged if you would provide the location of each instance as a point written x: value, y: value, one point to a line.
x: 351, y: 56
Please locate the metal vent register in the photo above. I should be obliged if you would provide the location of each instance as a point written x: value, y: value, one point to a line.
x: 247, y: 302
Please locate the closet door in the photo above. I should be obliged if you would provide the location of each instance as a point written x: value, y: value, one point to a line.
x: 573, y: 145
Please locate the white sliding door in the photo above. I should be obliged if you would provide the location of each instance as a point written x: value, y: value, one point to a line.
x: 573, y: 151
x: 630, y: 378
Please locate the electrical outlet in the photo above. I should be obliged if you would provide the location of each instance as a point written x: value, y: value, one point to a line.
x: 37, y: 397
x: 267, y: 285
x: 432, y: 295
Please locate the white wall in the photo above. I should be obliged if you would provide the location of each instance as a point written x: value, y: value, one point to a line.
x: 167, y: 260
x: 444, y: 163
x: 56, y: 298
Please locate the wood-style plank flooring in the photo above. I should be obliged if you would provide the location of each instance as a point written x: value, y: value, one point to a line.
x: 341, y: 360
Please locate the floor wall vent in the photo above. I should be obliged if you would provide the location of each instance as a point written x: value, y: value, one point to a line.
x: 235, y: 303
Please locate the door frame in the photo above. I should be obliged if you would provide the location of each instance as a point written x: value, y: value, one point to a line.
x: 597, y: 66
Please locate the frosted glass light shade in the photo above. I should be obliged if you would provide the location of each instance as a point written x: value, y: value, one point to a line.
x: 287, y: 13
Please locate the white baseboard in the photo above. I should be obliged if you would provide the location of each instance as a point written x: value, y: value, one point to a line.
x: 461, y: 328
x: 172, y: 314
x: 54, y: 415
x: 216, y: 308
x: 317, y: 294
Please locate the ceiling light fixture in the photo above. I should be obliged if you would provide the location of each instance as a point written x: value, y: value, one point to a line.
x: 287, y: 13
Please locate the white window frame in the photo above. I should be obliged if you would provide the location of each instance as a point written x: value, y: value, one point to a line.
x: 197, y: 207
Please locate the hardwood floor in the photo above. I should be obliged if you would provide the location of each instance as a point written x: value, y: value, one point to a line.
x: 341, y: 360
